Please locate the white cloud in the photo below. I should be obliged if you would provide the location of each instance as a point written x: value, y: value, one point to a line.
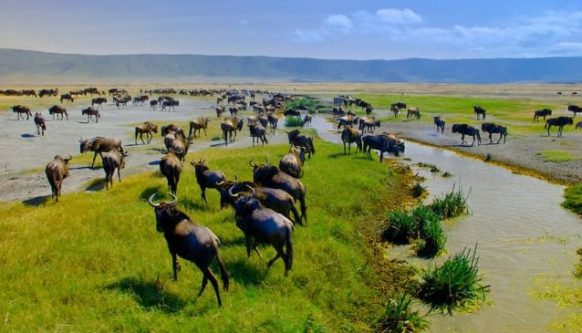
x: 398, y: 16
x: 339, y: 23
x: 307, y: 36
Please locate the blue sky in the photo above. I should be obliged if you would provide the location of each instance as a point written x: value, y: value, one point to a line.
x: 336, y: 29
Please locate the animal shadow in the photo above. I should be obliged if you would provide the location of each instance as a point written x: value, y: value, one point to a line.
x: 27, y: 135
x: 36, y: 201
x: 149, y: 294
x: 154, y: 162
x: 246, y: 272
x: 96, y: 185
x: 193, y: 205
x: 147, y: 193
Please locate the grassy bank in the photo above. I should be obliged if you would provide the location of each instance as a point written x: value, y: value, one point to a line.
x: 94, y: 262
x: 573, y: 198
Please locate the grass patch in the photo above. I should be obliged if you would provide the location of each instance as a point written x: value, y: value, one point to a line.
x: 308, y: 103
x: 578, y: 272
x: 557, y: 156
x: 292, y: 121
x: 451, y: 205
x: 399, y: 316
x: 573, y: 198
x: 418, y: 191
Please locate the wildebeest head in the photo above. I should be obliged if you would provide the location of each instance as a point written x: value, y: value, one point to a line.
x: 263, y: 172
x: 245, y: 205
x: 292, y: 135
x: 84, y: 145
x: 199, y: 166
x: 167, y: 216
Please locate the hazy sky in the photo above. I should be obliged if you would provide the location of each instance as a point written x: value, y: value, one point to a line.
x: 338, y: 29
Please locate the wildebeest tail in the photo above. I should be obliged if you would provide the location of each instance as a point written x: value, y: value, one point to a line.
x: 311, y: 146
x: 223, y: 272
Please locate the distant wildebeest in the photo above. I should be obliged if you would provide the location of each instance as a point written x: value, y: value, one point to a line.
x: 48, y: 92
x: 258, y: 132
x: 68, y: 97
x: 291, y: 112
x: 273, y: 120
x: 99, y: 101
x: 171, y: 167
x: 153, y: 104
x: 398, y: 105
x: 29, y: 92
x: 207, y: 178
x: 368, y: 124
x: 384, y: 143
x: 479, y: 111
x: 560, y: 122
x: 111, y: 161
x: 574, y: 109
x: 292, y: 162
x: 465, y: 129
x: 579, y: 125
x: 306, y: 120
x: 542, y: 113
x: 369, y: 110
x: 197, y: 125
x: 351, y: 135
x: 99, y: 145
x: 301, y: 140
x: 413, y: 113
x: 146, y: 128
x: 121, y: 101
x: 493, y: 128
x: 57, y: 170
x: 170, y: 104
x: 40, y: 123
x: 219, y: 111
x: 171, y: 128
x: 440, y: 124
x: 21, y: 109
x: 233, y: 111
x: 91, y: 112
x: 229, y: 129
x: 140, y: 99
x: 190, y: 241
x: 59, y: 111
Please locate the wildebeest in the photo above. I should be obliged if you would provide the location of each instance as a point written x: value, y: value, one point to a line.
x: 111, y: 161
x: 171, y: 167
x: 40, y: 123
x: 153, y: 104
x: 48, y: 92
x: 219, y: 110
x: 68, y: 97
x: 171, y: 128
x: 258, y: 132
x: 440, y: 124
x: 121, y: 101
x: 395, y: 110
x: 99, y: 145
x: 291, y: 112
x: 207, y: 178
x: 395, y: 107
x: 19, y: 110
x: 301, y: 140
x: 575, y: 109
x: 479, y: 111
x: 270, y: 176
x: 146, y: 128
x: 178, y: 144
x: 385, y: 143
x: 368, y: 124
x: 413, y: 113
x: 190, y: 241
x: 542, y: 113
x: 263, y: 225
x: 99, y: 101
x: 59, y: 111
x: 351, y: 135
x: 273, y: 120
x: 170, y: 104
x: 465, y: 129
x: 140, y: 99
x: 292, y: 162
x: 197, y: 125
x: 91, y: 112
x: 493, y: 128
x: 229, y: 128
x: 29, y: 92
x: 346, y: 120
x: 579, y: 125
x: 306, y: 120
x: 233, y: 111
x: 560, y: 122
x: 57, y: 170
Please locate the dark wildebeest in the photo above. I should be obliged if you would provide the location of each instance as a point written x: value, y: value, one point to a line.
x: 111, y: 161
x: 178, y: 144
x: 171, y: 128
x: 440, y: 124
x: 395, y: 110
x: 121, y: 101
x: 57, y: 170
x: 99, y: 145
x: 385, y: 143
x: 48, y: 92
x: 190, y: 241
x: 292, y: 162
x: 273, y: 120
x: 39, y: 122
x: 367, y: 124
x: 91, y: 112
x: 306, y: 120
x: 465, y: 129
x: 493, y: 128
x: 170, y: 104
x: 560, y: 122
x: 233, y: 111
x: 206, y: 178
x: 153, y: 104
x: 413, y: 113
x: 230, y: 127
x: 579, y: 125
x: 542, y: 113
x: 258, y: 132
x: 29, y: 92
x: 219, y: 110
x: 140, y: 99
x: 575, y: 109
x: 291, y: 112
x: 270, y: 176
x: 99, y: 101
x: 263, y: 225
x: 19, y: 110
x: 301, y: 140
x: 197, y: 125
x: 146, y: 128
x: 351, y: 135
x: 479, y: 111
x: 68, y: 97
x: 59, y: 111
x: 171, y: 167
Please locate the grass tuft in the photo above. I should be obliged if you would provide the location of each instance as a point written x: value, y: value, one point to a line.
x: 292, y: 121
x: 399, y: 316
x: 573, y: 196
x: 451, y: 205
x: 557, y: 156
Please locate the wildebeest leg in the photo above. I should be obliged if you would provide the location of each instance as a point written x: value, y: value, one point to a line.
x: 208, y: 274
x: 204, y: 283
x: 500, y: 136
x: 280, y: 254
x: 204, y: 195
x: 296, y: 215
x: 95, y: 156
x: 118, y: 175
x: 490, y: 137
x: 463, y: 138
x: 549, y: 129
x: 175, y: 265
x: 473, y: 142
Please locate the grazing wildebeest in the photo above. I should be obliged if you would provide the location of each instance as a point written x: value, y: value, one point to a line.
x: 230, y: 127
x: 171, y: 167
x: 121, y: 101
x: 306, y: 120
x: 197, y: 125
x: 146, y: 128
x: 575, y: 109
x: 367, y: 124
x: 171, y: 128
x: 440, y: 124
x: 292, y: 162
x: 170, y: 104
x: 413, y: 113
x: 29, y: 92
x: 99, y: 145
x: 560, y: 122
x: 190, y: 241
x: 398, y: 105
x: 57, y: 170
x: 48, y: 92
x: 206, y: 178
x: 140, y: 99
x: 493, y: 128
x: 178, y: 144
x: 479, y: 111
x: 68, y: 97
x: 219, y: 110
x: 384, y: 143
x: 270, y: 176
x: 465, y: 129
x: 273, y: 120
x: 258, y: 132
x: 542, y: 113
x: 91, y: 112
x: 301, y: 140
x: 111, y: 161
x: 263, y: 225
x: 40, y: 123
x: 99, y: 101
x: 153, y: 104
x: 349, y: 136
x: 59, y: 111
x: 19, y: 110
x: 395, y: 110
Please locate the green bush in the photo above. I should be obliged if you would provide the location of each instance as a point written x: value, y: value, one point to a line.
x: 573, y: 195
x: 399, y: 316
x: 402, y: 227
x: 292, y: 121
x: 451, y: 205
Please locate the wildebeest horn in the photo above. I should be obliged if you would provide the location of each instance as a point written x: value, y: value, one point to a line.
x: 150, y: 201
x: 231, y: 194
x: 252, y: 189
x: 173, y: 202
x: 220, y: 183
x: 252, y: 164
x: 69, y: 158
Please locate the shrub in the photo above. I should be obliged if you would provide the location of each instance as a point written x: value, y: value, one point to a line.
x: 399, y: 316
x: 455, y: 283
x: 402, y: 227
x: 451, y: 205
x: 573, y: 195
x: 432, y: 239
x: 292, y: 121
x: 418, y: 190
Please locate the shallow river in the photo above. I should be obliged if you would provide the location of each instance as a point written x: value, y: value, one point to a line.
x: 526, y: 241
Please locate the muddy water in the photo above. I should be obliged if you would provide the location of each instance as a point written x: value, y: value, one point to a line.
x: 523, y: 236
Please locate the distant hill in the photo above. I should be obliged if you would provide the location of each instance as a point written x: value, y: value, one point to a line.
x: 20, y: 66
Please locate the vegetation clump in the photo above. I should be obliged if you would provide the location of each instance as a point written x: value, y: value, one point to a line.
x: 451, y: 205
x: 418, y: 190
x: 573, y: 195
x: 293, y: 121
x: 305, y: 103
x: 399, y: 317
x: 578, y: 272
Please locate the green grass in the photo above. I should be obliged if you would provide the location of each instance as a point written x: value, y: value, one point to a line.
x: 94, y: 261
x: 292, y: 121
x: 451, y: 205
x: 307, y: 102
x: 399, y: 317
x: 578, y: 272
x: 557, y: 156
x: 573, y: 198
